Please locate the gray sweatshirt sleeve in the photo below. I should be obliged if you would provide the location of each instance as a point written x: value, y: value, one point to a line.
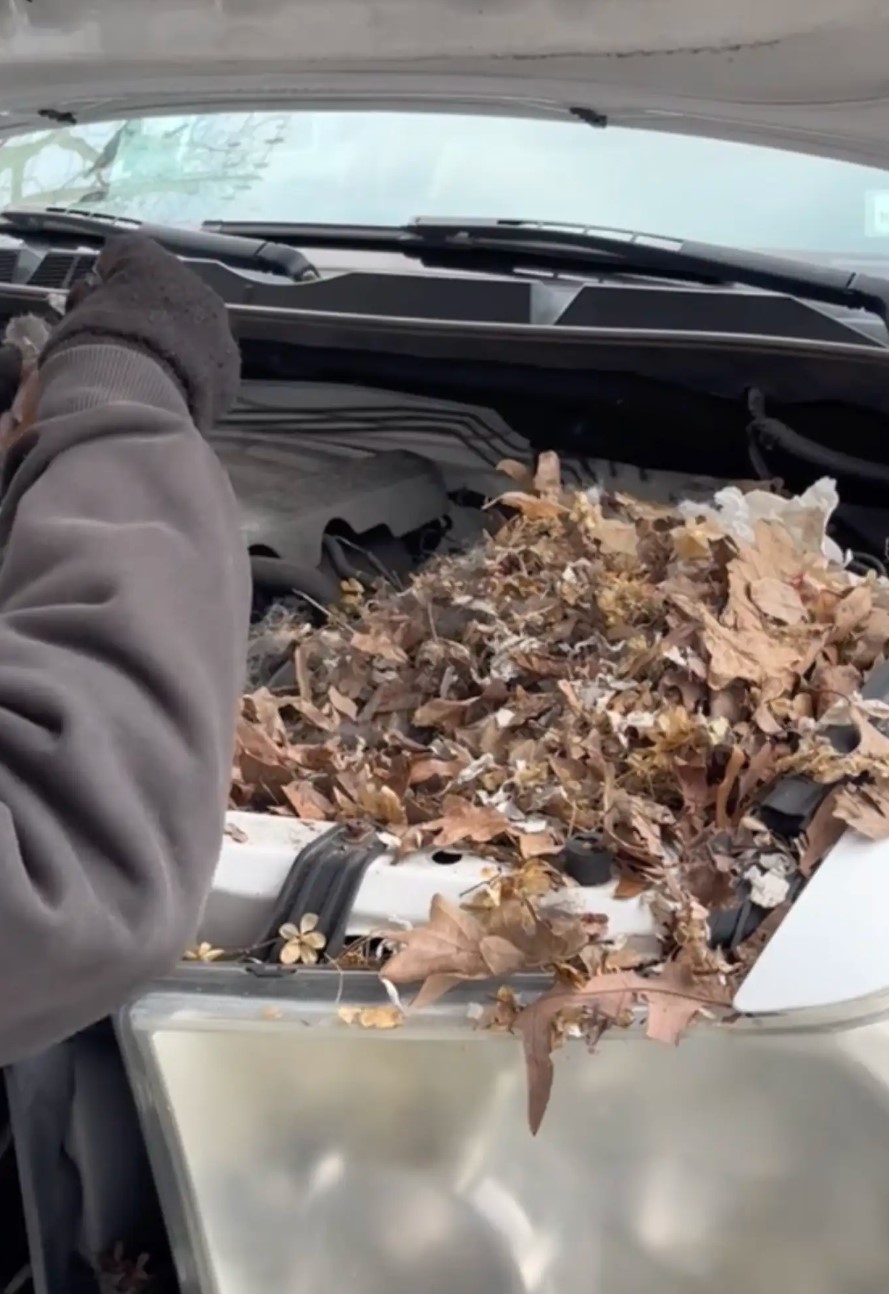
x: 124, y: 604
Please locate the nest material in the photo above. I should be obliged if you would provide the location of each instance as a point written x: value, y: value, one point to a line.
x: 601, y: 666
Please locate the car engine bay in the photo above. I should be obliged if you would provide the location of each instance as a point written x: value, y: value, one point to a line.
x: 361, y: 466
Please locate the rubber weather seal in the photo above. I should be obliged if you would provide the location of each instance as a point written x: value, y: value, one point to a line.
x: 324, y: 880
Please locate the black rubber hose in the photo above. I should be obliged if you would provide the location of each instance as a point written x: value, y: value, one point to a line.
x: 275, y: 576
x: 337, y: 558
x: 774, y: 432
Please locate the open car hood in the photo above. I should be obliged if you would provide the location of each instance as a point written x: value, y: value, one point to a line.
x: 792, y: 73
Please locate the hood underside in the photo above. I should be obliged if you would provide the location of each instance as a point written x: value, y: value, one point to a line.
x: 810, y: 75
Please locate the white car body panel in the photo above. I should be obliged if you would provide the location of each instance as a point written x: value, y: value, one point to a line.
x: 259, y: 850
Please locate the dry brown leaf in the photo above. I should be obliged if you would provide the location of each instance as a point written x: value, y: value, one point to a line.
x: 871, y: 641
x: 530, y: 506
x: 521, y: 473
x: 531, y: 880
x: 630, y: 887
x: 372, y: 1017
x: 456, y: 945
x: 832, y: 683
x: 259, y: 761
x: 501, y: 1016
x: 693, y: 541
x: 759, y: 771
x: 301, y: 657
x: 262, y: 710
x: 380, y: 646
x: 611, y: 995
x: 617, y: 536
x: 441, y: 953
x: 635, y: 823
x: 445, y: 714
x: 538, y: 844
x: 733, y: 768
x: 500, y: 956
x: 426, y: 770
x: 853, y: 611
x: 342, y: 703
x: 775, y: 553
x: 382, y: 803
x: 697, y: 791
x: 777, y: 600
x: 307, y: 802
x: 747, y: 654
x: 315, y: 716
x: 676, y: 1004
x: 463, y: 823
x: 548, y: 477
x: 253, y: 740
x: 538, y: 942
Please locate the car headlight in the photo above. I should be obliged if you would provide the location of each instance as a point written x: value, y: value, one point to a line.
x: 295, y: 1152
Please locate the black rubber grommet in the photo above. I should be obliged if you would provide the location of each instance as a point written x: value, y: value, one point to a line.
x: 587, y: 861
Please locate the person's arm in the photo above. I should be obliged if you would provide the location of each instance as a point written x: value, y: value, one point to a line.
x: 124, y: 602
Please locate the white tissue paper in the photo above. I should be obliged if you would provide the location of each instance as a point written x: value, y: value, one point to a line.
x: 805, y: 516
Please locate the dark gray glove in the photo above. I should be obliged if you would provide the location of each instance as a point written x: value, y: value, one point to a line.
x: 141, y: 296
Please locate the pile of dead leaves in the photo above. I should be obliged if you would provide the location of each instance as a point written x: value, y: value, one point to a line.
x: 601, y: 666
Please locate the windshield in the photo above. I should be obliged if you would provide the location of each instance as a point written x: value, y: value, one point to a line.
x: 385, y: 168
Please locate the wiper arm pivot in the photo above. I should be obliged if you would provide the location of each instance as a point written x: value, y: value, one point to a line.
x: 199, y: 244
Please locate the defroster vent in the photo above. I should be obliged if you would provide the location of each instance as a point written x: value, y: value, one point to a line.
x: 60, y: 269
x: 8, y: 261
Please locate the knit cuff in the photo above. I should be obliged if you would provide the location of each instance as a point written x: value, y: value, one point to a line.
x: 87, y: 375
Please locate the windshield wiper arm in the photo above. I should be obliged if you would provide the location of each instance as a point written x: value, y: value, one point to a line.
x: 230, y: 249
x: 654, y: 254
x: 573, y: 247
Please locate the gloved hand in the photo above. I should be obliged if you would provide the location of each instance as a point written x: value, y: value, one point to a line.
x: 141, y: 296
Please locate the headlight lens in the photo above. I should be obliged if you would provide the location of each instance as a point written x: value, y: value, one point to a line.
x: 297, y: 1153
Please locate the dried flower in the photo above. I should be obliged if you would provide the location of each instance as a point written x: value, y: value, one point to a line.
x: 303, y: 943
x: 204, y: 952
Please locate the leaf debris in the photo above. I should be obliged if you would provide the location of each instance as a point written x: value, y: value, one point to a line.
x: 603, y: 668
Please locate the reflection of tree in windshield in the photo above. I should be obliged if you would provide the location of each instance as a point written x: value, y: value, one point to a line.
x: 148, y: 168
x: 49, y: 166
x: 368, y: 166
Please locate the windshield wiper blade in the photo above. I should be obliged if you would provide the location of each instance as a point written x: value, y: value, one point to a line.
x: 574, y: 247
x: 656, y: 255
x: 201, y: 244
x: 413, y: 240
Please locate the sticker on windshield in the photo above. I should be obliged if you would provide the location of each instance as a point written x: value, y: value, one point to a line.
x: 877, y: 216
